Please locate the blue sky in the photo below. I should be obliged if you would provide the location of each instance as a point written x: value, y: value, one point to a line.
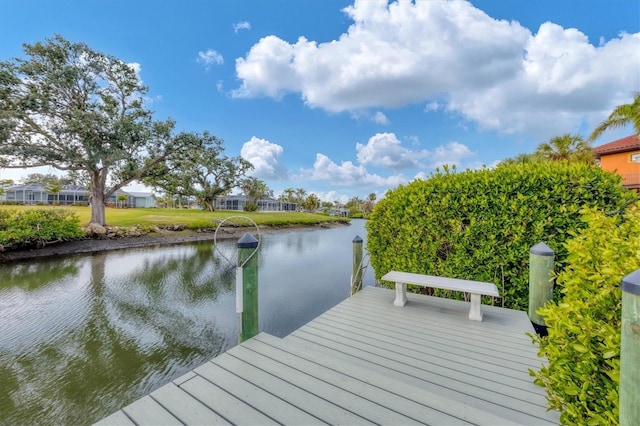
x: 346, y: 98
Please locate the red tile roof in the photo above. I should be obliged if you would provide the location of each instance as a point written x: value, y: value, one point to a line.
x: 630, y: 143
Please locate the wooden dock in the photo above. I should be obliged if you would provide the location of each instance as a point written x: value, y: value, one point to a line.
x: 365, y: 361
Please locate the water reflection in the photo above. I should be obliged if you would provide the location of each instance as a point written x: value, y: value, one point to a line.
x: 83, y: 336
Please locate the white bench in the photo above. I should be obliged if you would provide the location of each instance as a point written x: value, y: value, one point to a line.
x: 475, y: 288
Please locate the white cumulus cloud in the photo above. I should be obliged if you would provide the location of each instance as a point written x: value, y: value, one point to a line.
x: 380, y: 118
x: 210, y: 57
x: 244, y: 25
x: 384, y: 149
x: 347, y: 174
x: 453, y: 153
x: 265, y: 157
x: 451, y: 56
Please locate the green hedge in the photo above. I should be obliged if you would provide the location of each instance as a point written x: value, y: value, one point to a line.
x: 37, y: 227
x: 583, y: 346
x: 480, y: 224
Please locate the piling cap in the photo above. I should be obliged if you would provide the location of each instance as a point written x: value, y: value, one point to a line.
x: 631, y: 283
x: 357, y: 239
x: 541, y: 249
x: 247, y: 241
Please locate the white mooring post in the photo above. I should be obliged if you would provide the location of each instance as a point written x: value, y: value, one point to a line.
x: 630, y: 351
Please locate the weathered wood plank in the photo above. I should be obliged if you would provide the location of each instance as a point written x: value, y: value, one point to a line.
x: 326, y: 410
x: 428, y: 368
x: 423, y: 406
x: 512, y: 332
x: 459, y: 344
x: 116, y: 419
x: 462, y: 341
x: 438, y: 313
x: 227, y: 406
x: 362, y: 407
x: 188, y: 376
x: 186, y: 408
x: 147, y: 411
x: 454, y: 357
x: 272, y: 406
x: 485, y: 399
x: 411, y: 352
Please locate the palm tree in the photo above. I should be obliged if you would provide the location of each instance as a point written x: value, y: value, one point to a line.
x: 620, y: 117
x: 54, y: 187
x: 121, y: 198
x: 521, y: 159
x: 566, y: 148
x: 287, y: 195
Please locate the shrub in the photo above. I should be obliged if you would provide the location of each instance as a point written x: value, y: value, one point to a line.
x: 37, y: 227
x: 480, y: 224
x: 583, y: 345
x: 251, y: 207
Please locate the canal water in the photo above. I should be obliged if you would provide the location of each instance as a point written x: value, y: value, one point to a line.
x: 82, y: 336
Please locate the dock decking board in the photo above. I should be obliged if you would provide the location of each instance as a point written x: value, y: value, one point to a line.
x: 407, y: 354
x: 423, y: 405
x: 365, y: 361
x: 466, y: 395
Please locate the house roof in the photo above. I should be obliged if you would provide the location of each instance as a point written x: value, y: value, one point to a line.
x: 629, y: 143
x: 139, y: 194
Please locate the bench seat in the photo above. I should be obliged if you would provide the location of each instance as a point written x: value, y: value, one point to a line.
x: 475, y: 288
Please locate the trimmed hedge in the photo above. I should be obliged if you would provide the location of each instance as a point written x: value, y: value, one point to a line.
x: 480, y: 224
x: 583, y: 346
x: 27, y: 228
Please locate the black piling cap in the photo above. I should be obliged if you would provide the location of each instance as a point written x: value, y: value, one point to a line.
x: 631, y: 283
x: 541, y: 249
x: 357, y: 240
x: 247, y: 241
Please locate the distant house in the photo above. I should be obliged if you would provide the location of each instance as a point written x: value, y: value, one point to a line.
x: 141, y: 199
x: 238, y: 202
x: 622, y: 156
x: 36, y: 194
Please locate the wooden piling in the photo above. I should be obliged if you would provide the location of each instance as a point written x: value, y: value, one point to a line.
x: 541, y: 265
x: 356, y: 275
x: 248, y: 274
x: 630, y: 351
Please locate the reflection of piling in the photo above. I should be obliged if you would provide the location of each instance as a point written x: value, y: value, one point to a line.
x: 356, y: 275
x: 630, y: 351
x: 541, y: 259
x: 247, y: 287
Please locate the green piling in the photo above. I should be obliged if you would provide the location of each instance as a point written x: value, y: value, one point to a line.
x: 248, y: 264
x: 356, y: 275
x: 630, y: 351
x: 541, y: 265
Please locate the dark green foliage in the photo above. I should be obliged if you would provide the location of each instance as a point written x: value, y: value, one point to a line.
x: 583, y: 347
x: 480, y: 224
x: 37, y: 227
x: 251, y: 207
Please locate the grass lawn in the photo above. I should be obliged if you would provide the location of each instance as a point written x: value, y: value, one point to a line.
x: 189, y: 218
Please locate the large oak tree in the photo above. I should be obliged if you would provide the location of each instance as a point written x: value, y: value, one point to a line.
x: 203, y: 171
x: 67, y: 106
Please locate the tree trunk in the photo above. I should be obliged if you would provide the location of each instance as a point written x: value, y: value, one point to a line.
x: 97, y: 206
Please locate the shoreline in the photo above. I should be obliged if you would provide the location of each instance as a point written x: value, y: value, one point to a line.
x: 161, y: 238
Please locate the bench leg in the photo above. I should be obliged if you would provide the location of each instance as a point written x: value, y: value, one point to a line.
x: 475, y: 314
x: 401, y: 294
